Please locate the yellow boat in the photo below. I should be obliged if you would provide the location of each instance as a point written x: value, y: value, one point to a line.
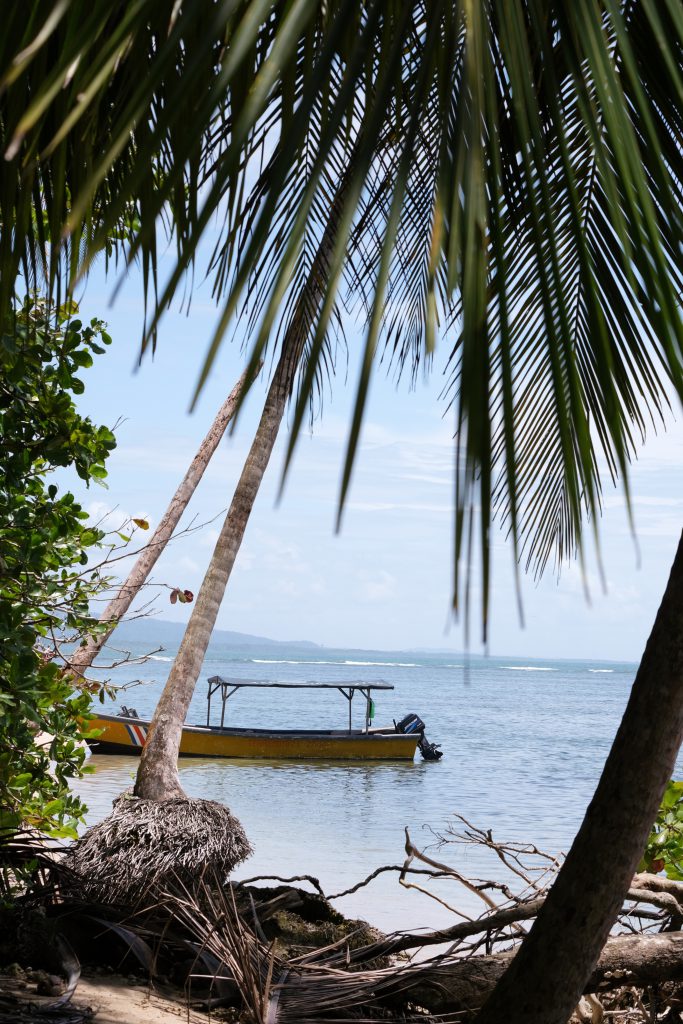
x: 126, y: 732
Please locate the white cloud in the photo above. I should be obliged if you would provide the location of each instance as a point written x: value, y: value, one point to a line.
x: 186, y: 564
x: 207, y: 538
x: 377, y: 586
x: 396, y: 506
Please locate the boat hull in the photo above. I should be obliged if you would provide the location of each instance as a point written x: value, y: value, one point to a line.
x: 121, y: 735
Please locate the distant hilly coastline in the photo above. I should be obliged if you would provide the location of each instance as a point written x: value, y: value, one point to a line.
x: 165, y: 633
x: 162, y: 631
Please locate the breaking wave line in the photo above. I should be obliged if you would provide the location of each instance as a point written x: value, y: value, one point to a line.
x: 528, y: 668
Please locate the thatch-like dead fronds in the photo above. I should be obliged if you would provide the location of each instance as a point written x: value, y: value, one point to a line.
x: 142, y: 843
x: 209, y: 913
x: 31, y: 866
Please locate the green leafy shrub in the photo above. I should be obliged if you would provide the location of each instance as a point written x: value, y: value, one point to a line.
x: 45, y: 540
x: 664, y: 850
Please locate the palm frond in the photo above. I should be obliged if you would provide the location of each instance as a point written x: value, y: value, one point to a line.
x: 512, y: 175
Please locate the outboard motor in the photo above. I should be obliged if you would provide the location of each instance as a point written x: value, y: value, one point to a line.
x: 413, y: 724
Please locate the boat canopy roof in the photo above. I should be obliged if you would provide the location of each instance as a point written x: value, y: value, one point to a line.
x: 357, y: 684
x: 228, y: 687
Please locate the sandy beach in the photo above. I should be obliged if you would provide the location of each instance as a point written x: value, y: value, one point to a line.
x: 116, y: 1000
x: 112, y: 999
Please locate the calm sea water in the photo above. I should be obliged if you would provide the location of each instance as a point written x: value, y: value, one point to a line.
x: 523, y: 741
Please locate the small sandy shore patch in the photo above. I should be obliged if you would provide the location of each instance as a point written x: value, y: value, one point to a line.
x: 116, y: 1001
x: 112, y: 999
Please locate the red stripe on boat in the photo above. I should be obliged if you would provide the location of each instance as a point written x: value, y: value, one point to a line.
x: 137, y: 733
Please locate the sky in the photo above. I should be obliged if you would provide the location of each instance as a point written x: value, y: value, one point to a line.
x: 384, y: 581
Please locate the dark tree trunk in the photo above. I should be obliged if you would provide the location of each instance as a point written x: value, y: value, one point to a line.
x: 548, y: 975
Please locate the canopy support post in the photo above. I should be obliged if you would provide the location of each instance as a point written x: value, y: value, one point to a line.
x: 349, y: 696
x: 368, y: 701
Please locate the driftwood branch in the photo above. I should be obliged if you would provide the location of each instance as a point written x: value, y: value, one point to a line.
x: 315, y: 882
x: 658, y: 883
x: 464, y: 929
x: 509, y: 916
x: 412, y: 852
x: 400, y: 869
x: 454, y: 983
x: 664, y: 900
x: 446, y: 985
x: 639, y: 960
x: 286, y: 881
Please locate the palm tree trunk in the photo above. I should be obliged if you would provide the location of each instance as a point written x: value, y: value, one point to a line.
x: 157, y: 777
x: 84, y: 656
x: 548, y: 974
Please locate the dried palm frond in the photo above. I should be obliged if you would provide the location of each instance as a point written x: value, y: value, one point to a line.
x: 278, y: 991
x: 143, y: 843
x: 210, y: 915
x: 31, y: 865
x: 272, y: 990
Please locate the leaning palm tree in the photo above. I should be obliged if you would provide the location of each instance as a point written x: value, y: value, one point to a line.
x: 83, y: 657
x: 516, y: 182
x: 157, y: 830
x: 157, y: 776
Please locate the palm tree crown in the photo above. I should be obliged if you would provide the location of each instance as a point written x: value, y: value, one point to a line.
x: 514, y: 181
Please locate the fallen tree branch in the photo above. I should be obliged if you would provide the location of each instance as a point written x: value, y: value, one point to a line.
x: 312, y: 880
x: 277, y: 878
x: 495, y: 921
x: 412, y: 852
x: 664, y: 900
x: 400, y: 868
x: 464, y: 929
x: 658, y: 883
x: 450, y: 986
x: 640, y: 960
